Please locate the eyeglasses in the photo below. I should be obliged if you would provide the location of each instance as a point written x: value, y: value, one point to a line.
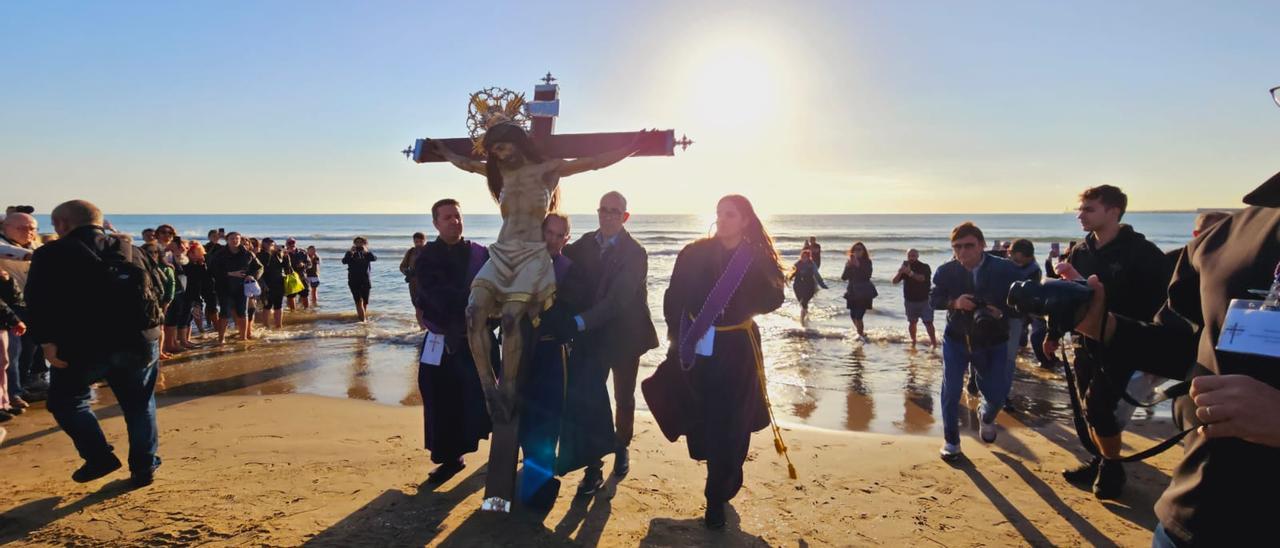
x: 969, y: 245
x: 613, y: 211
x: 1275, y: 95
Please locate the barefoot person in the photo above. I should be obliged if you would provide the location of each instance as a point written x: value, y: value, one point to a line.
x: 96, y: 324
x: 805, y: 281
x: 453, y: 413
x: 517, y: 281
x: 359, y: 270
x: 858, y: 297
x: 718, y: 286
x: 234, y: 265
x: 914, y: 276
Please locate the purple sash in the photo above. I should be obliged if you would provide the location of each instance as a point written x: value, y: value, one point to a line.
x: 715, y: 304
x: 476, y: 260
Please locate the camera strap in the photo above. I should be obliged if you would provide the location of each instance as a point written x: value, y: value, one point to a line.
x: 1082, y: 426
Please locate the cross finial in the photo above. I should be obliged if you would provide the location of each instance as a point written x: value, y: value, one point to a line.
x: 684, y: 143
x: 548, y: 79
x: 408, y: 153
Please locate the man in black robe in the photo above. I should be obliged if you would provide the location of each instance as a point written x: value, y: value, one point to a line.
x: 616, y: 327
x: 454, y: 414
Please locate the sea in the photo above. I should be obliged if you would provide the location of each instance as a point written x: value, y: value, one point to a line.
x: 819, y: 373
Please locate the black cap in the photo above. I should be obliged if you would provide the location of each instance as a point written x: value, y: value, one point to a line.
x: 1267, y: 195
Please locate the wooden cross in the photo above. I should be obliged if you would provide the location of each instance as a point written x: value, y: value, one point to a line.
x: 544, y: 109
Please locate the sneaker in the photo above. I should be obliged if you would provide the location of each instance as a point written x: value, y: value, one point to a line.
x: 951, y: 452
x: 1111, y: 479
x: 591, y: 482
x: 622, y: 463
x: 714, y: 518
x: 1084, y: 474
x: 94, y: 470
x: 988, y: 432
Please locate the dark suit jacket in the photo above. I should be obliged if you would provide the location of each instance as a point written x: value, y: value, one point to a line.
x: 617, y: 314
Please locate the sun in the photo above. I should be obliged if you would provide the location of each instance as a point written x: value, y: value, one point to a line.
x: 735, y: 82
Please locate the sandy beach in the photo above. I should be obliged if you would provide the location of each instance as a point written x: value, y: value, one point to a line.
x: 248, y: 463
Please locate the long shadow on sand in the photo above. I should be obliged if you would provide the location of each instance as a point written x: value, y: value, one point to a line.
x: 1090, y: 534
x: 192, y: 390
x: 1025, y: 527
x: 18, y: 522
x: 397, y: 518
x: 691, y: 532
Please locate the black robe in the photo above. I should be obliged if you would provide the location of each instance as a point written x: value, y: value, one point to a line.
x: 717, y: 404
x: 454, y: 415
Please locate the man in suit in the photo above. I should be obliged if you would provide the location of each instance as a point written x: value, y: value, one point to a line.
x: 616, y: 327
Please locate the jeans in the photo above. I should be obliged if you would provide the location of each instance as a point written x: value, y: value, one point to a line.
x: 1161, y: 538
x: 13, y: 372
x: 1039, y: 332
x: 1013, y: 345
x: 132, y: 377
x: 994, y: 379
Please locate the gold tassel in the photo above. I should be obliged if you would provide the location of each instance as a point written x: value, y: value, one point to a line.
x: 764, y: 391
x: 791, y: 470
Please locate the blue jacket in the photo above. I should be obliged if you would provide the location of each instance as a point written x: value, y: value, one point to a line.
x: 952, y: 280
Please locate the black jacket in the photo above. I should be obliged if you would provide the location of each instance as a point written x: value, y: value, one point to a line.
x: 1134, y: 271
x: 1220, y: 491
x: 11, y: 303
x: 617, y: 309
x: 65, y: 296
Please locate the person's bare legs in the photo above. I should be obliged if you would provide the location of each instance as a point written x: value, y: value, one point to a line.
x: 170, y: 340
x: 911, y: 328
x: 933, y: 337
x: 289, y: 301
x: 220, y: 323
x: 858, y: 325
x: 184, y: 337
x: 360, y: 314
x: 278, y: 316
x: 480, y: 306
x: 246, y: 327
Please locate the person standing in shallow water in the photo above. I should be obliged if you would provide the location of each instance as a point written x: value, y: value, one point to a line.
x: 709, y: 388
x: 359, y: 270
x: 806, y: 280
x: 858, y: 297
x: 914, y: 276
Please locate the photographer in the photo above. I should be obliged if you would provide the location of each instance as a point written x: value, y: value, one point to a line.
x: 1136, y: 274
x: 359, y: 268
x: 1221, y: 492
x: 973, y: 288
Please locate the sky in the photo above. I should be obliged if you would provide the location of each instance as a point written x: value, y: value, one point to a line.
x: 804, y: 107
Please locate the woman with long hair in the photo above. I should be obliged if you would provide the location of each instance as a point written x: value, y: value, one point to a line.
x: 805, y: 281
x: 858, y: 297
x: 711, y: 387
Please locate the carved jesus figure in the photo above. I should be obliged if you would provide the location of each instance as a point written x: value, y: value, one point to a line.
x: 518, y: 280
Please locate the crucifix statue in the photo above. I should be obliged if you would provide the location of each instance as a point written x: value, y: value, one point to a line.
x: 523, y: 172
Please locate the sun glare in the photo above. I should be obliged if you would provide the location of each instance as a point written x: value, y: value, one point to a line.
x: 735, y: 82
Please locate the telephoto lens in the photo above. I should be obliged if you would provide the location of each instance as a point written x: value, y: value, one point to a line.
x: 1061, y: 302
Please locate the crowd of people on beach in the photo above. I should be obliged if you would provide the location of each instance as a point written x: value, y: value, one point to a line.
x: 710, y: 389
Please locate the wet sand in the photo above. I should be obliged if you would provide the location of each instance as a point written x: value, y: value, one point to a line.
x: 294, y: 444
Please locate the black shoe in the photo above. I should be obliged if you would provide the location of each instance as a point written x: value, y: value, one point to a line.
x: 1111, y: 479
x: 622, y: 462
x: 143, y: 478
x: 15, y: 411
x: 5, y: 416
x: 94, y: 470
x: 714, y: 519
x: 1084, y: 474
x: 445, y: 471
x: 591, y: 482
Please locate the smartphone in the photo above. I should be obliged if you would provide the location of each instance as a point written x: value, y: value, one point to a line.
x: 222, y: 231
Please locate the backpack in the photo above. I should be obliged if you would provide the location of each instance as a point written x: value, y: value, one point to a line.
x: 131, y: 292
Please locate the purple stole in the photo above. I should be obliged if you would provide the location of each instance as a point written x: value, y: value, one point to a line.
x: 715, y: 304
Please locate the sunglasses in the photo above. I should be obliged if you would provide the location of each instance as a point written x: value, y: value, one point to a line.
x: 958, y: 247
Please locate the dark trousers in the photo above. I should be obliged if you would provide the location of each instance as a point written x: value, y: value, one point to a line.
x: 542, y: 394
x: 625, y: 372
x: 132, y: 377
x: 12, y: 371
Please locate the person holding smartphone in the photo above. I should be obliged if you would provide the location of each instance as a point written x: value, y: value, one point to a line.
x: 359, y: 268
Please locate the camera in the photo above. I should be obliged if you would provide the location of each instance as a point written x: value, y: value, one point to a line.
x: 1061, y: 302
x: 985, y: 328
